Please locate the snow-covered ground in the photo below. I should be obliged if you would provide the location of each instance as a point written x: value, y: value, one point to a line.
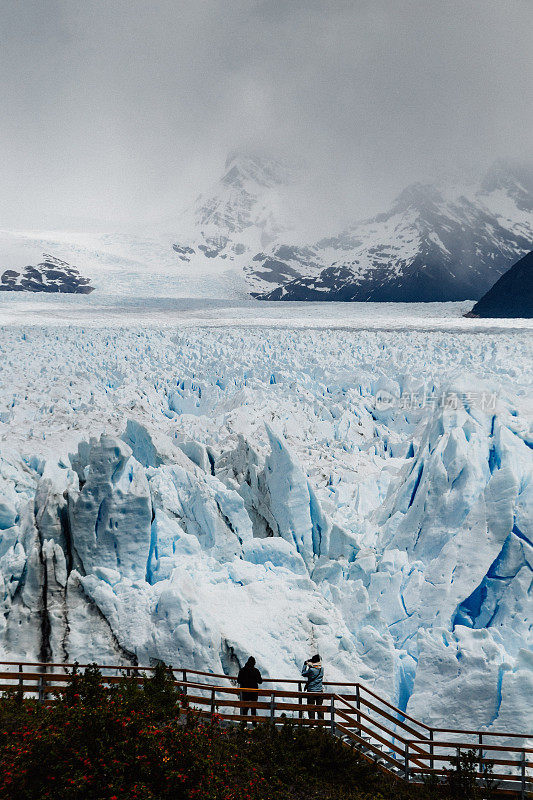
x: 197, y: 481
x: 119, y: 310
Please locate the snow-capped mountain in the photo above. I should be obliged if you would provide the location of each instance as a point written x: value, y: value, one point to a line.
x: 203, y: 255
x: 239, y: 239
x: 427, y: 247
x: 430, y: 246
x: 508, y: 184
x: 242, y: 214
x: 50, y: 275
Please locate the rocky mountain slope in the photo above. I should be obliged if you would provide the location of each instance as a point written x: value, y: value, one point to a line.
x: 51, y: 275
x: 428, y: 247
x: 511, y: 295
x: 243, y: 213
x: 240, y: 239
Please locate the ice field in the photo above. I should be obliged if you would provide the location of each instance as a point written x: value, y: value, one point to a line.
x: 150, y: 308
x: 197, y: 482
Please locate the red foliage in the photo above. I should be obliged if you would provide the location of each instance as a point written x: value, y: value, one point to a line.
x: 97, y: 752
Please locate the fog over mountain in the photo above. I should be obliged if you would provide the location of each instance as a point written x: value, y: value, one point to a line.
x: 118, y: 114
x: 242, y: 239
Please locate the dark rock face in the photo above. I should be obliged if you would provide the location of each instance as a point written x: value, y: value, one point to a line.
x: 51, y: 275
x: 274, y: 271
x: 511, y: 295
x: 184, y: 251
x: 432, y: 250
x: 333, y: 283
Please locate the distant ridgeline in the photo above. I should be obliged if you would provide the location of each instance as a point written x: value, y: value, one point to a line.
x: 431, y: 245
x: 511, y: 295
x: 51, y: 275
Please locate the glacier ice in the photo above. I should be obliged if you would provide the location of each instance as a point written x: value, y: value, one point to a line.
x: 162, y: 496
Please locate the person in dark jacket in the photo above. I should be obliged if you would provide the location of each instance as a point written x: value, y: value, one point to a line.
x: 249, y: 677
x: 314, y: 672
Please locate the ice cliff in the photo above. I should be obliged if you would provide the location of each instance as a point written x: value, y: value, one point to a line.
x: 204, y: 507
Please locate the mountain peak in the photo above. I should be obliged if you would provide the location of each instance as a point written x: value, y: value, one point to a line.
x: 243, y: 168
x: 514, y: 178
x: 433, y: 244
x: 418, y: 195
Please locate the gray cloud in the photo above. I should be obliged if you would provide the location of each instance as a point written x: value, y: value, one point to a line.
x: 122, y: 110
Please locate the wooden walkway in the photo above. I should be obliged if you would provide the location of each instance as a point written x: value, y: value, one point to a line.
x: 400, y: 745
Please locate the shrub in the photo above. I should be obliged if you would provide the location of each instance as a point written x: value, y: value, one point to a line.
x: 86, y: 687
x: 141, y: 742
x: 461, y: 782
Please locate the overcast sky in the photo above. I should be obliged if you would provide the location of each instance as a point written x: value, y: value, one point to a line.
x: 122, y: 110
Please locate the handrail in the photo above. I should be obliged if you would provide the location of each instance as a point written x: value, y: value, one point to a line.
x: 139, y: 667
x: 377, y: 725
x: 130, y: 667
x: 382, y: 729
x: 373, y: 730
x: 186, y: 670
x: 398, y: 710
x: 347, y: 703
x: 483, y: 733
x: 390, y: 718
x: 460, y: 745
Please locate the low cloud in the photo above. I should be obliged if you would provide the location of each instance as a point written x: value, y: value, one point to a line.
x: 121, y: 112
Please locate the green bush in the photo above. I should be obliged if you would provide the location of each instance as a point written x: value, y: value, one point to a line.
x: 86, y: 687
x: 461, y: 780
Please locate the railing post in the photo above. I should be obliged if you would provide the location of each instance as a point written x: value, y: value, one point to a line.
x: 41, y: 689
x: 21, y: 681
x: 332, y: 715
x: 358, y: 706
x: 523, y: 775
x: 431, y: 760
x: 480, y: 741
x: 170, y: 670
x: 213, y: 706
x: 300, y: 701
x: 406, y: 762
x: 272, y: 708
x: 184, y: 676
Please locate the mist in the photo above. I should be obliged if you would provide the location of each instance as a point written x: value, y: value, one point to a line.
x: 120, y: 113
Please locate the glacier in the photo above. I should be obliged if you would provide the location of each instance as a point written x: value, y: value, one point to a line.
x: 198, y: 493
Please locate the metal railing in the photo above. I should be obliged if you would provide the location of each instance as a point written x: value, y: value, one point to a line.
x: 399, y: 744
